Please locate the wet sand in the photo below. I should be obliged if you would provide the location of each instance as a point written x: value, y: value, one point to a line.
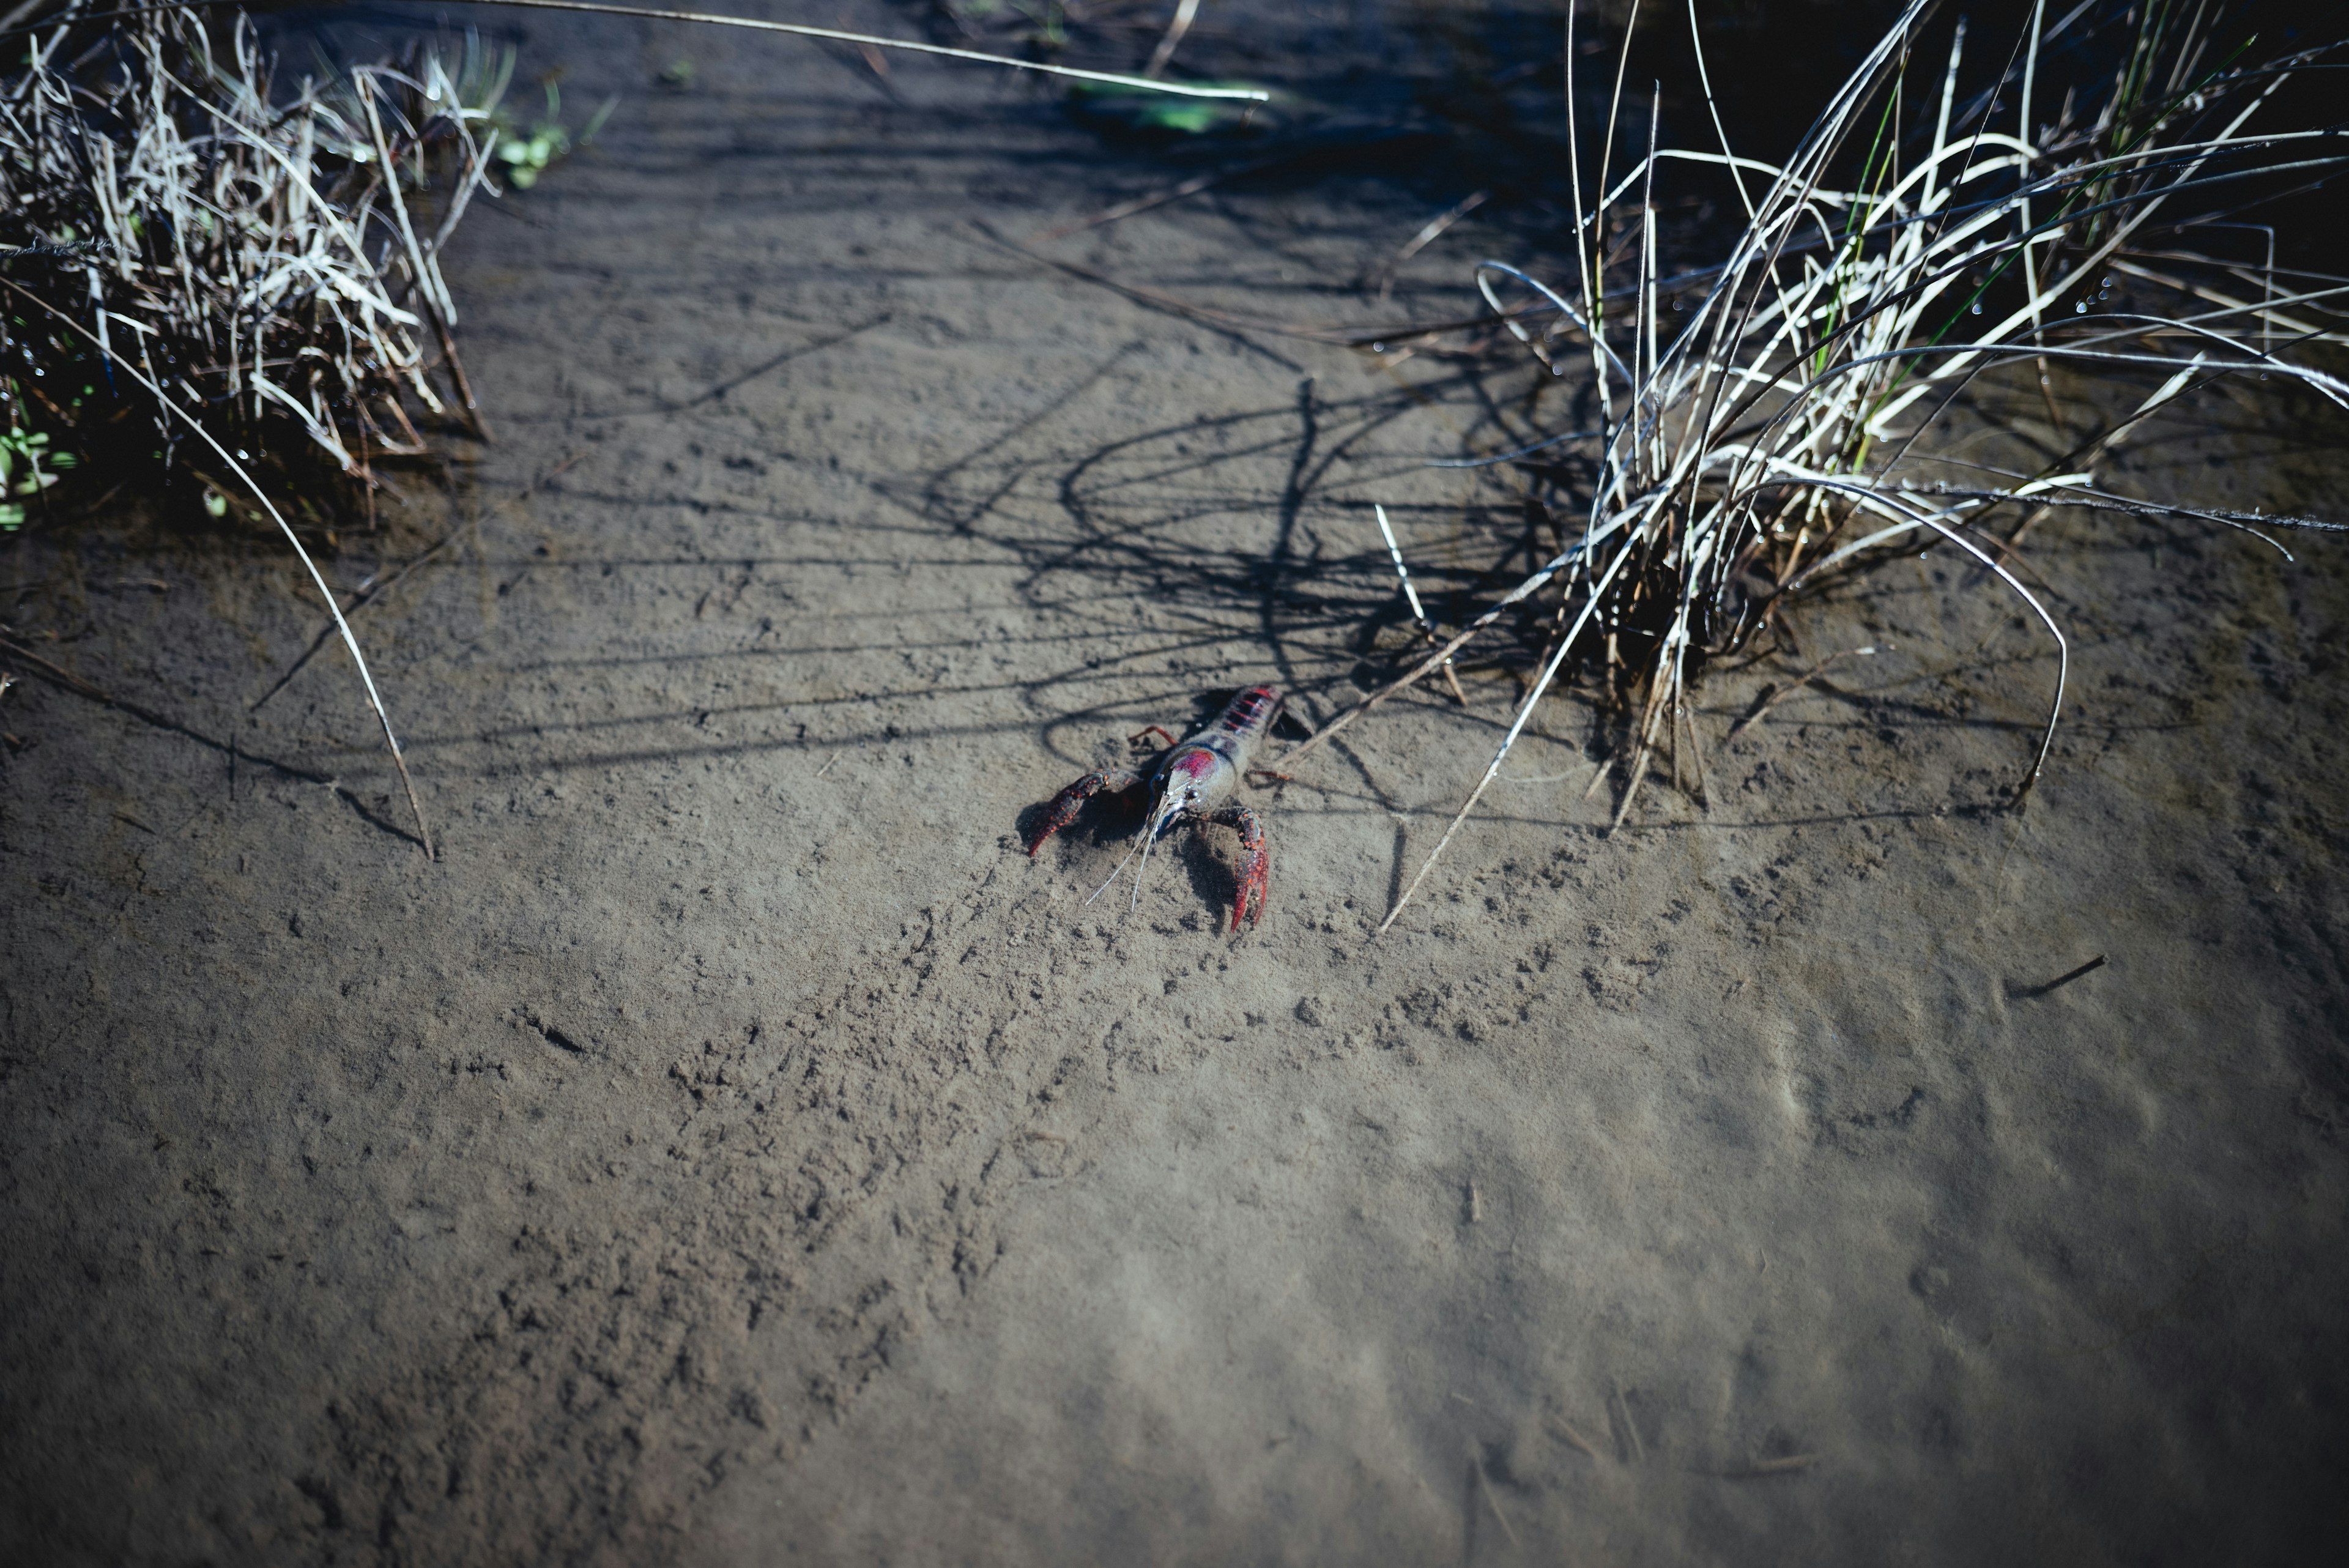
x: 734, y: 1149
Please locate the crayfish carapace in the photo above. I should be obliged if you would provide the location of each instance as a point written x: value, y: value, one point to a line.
x: 1191, y: 778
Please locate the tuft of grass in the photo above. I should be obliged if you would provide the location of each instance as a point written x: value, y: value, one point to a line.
x: 270, y: 261
x: 1767, y: 423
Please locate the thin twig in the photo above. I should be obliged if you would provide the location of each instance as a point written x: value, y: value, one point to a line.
x: 1185, y: 10
x: 366, y: 594
x: 1778, y: 694
x: 1486, y: 1485
x: 1191, y: 187
x: 1428, y: 234
x: 374, y: 587
x: 1561, y: 1428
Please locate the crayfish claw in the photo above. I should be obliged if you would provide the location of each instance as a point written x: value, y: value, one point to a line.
x: 1256, y: 863
x: 1071, y: 800
x: 1254, y: 885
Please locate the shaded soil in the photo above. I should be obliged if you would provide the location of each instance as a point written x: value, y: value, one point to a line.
x: 735, y: 1150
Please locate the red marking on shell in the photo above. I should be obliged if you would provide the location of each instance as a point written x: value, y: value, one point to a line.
x: 1190, y: 766
x: 1250, y: 710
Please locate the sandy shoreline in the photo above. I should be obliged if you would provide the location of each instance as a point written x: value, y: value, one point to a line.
x: 736, y: 1150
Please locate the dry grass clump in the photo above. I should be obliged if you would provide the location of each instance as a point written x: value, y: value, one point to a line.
x: 203, y: 253
x: 1768, y: 421
x: 269, y: 261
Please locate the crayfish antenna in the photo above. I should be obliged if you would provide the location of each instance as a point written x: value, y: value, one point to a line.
x: 1113, y: 875
x: 1149, y: 827
x: 1161, y: 819
x: 1150, y: 832
x: 1140, y: 848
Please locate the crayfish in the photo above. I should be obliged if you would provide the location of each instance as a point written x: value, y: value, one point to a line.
x: 1191, y: 778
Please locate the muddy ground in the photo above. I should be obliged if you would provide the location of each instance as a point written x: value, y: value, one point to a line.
x: 734, y: 1150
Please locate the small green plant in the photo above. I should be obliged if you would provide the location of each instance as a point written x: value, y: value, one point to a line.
x: 528, y: 154
x: 27, y: 467
x: 1151, y: 113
